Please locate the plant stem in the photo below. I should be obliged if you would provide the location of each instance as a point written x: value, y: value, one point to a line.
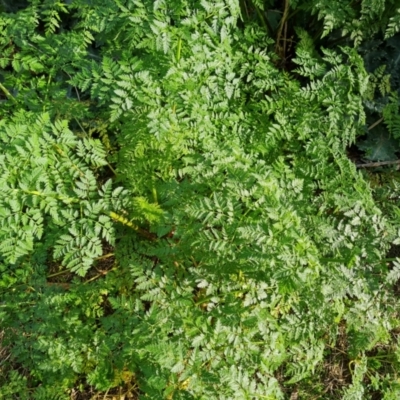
x: 104, y: 257
x: 64, y: 271
x: 377, y: 164
x: 262, y: 19
x: 66, y: 200
x: 100, y: 275
x: 178, y: 50
x: 8, y: 94
x: 126, y: 222
x: 375, y: 124
x: 280, y: 30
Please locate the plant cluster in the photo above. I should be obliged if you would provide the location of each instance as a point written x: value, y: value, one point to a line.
x: 179, y: 218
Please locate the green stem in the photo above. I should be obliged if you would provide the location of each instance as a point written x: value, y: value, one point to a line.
x: 80, y: 126
x: 23, y: 302
x: 61, y: 152
x: 87, y: 135
x: 112, y: 169
x: 206, y: 299
x: 178, y: 50
x: 67, y: 200
x: 105, y: 256
x: 100, y: 275
x: 8, y: 94
x: 375, y: 124
x: 126, y: 222
x: 64, y: 271
x: 262, y: 19
x: 342, y: 260
x: 380, y: 357
x: 282, y: 24
x: 334, y: 260
x: 154, y: 190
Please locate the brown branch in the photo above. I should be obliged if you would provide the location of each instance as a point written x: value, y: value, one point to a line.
x: 375, y: 124
x: 285, y: 40
x: 104, y: 273
x: 377, y: 164
x: 281, y: 27
x: 62, y: 272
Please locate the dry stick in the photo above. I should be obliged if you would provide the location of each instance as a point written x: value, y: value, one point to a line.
x: 285, y: 39
x: 100, y: 275
x: 375, y: 124
x: 377, y: 164
x: 281, y: 26
x: 64, y: 271
x: 106, y: 394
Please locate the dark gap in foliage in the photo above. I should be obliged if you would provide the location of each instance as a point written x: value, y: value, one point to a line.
x: 13, y: 6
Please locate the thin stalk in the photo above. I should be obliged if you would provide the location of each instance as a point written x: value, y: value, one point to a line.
x: 61, y: 152
x: 106, y: 394
x: 87, y: 135
x: 380, y: 357
x: 8, y: 94
x: 178, y: 50
x: 377, y: 164
x: 262, y: 19
x: 285, y: 41
x: 281, y: 27
x: 206, y: 299
x: 64, y: 271
x: 247, y: 11
x: 111, y: 169
x: 47, y: 91
x: 126, y: 222
x: 342, y: 260
x: 105, y: 256
x: 80, y: 126
x: 76, y: 90
x: 154, y: 190
x: 67, y: 200
x: 375, y: 124
x: 23, y: 302
x: 100, y: 275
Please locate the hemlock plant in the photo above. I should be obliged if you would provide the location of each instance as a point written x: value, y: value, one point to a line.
x: 179, y: 218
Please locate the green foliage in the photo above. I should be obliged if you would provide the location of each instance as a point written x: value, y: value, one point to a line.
x: 178, y: 212
x: 392, y: 117
x: 360, y: 20
x: 379, y: 146
x: 50, y: 195
x: 381, y: 60
x: 394, y: 24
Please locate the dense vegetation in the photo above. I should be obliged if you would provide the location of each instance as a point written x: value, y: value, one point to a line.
x: 194, y: 200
